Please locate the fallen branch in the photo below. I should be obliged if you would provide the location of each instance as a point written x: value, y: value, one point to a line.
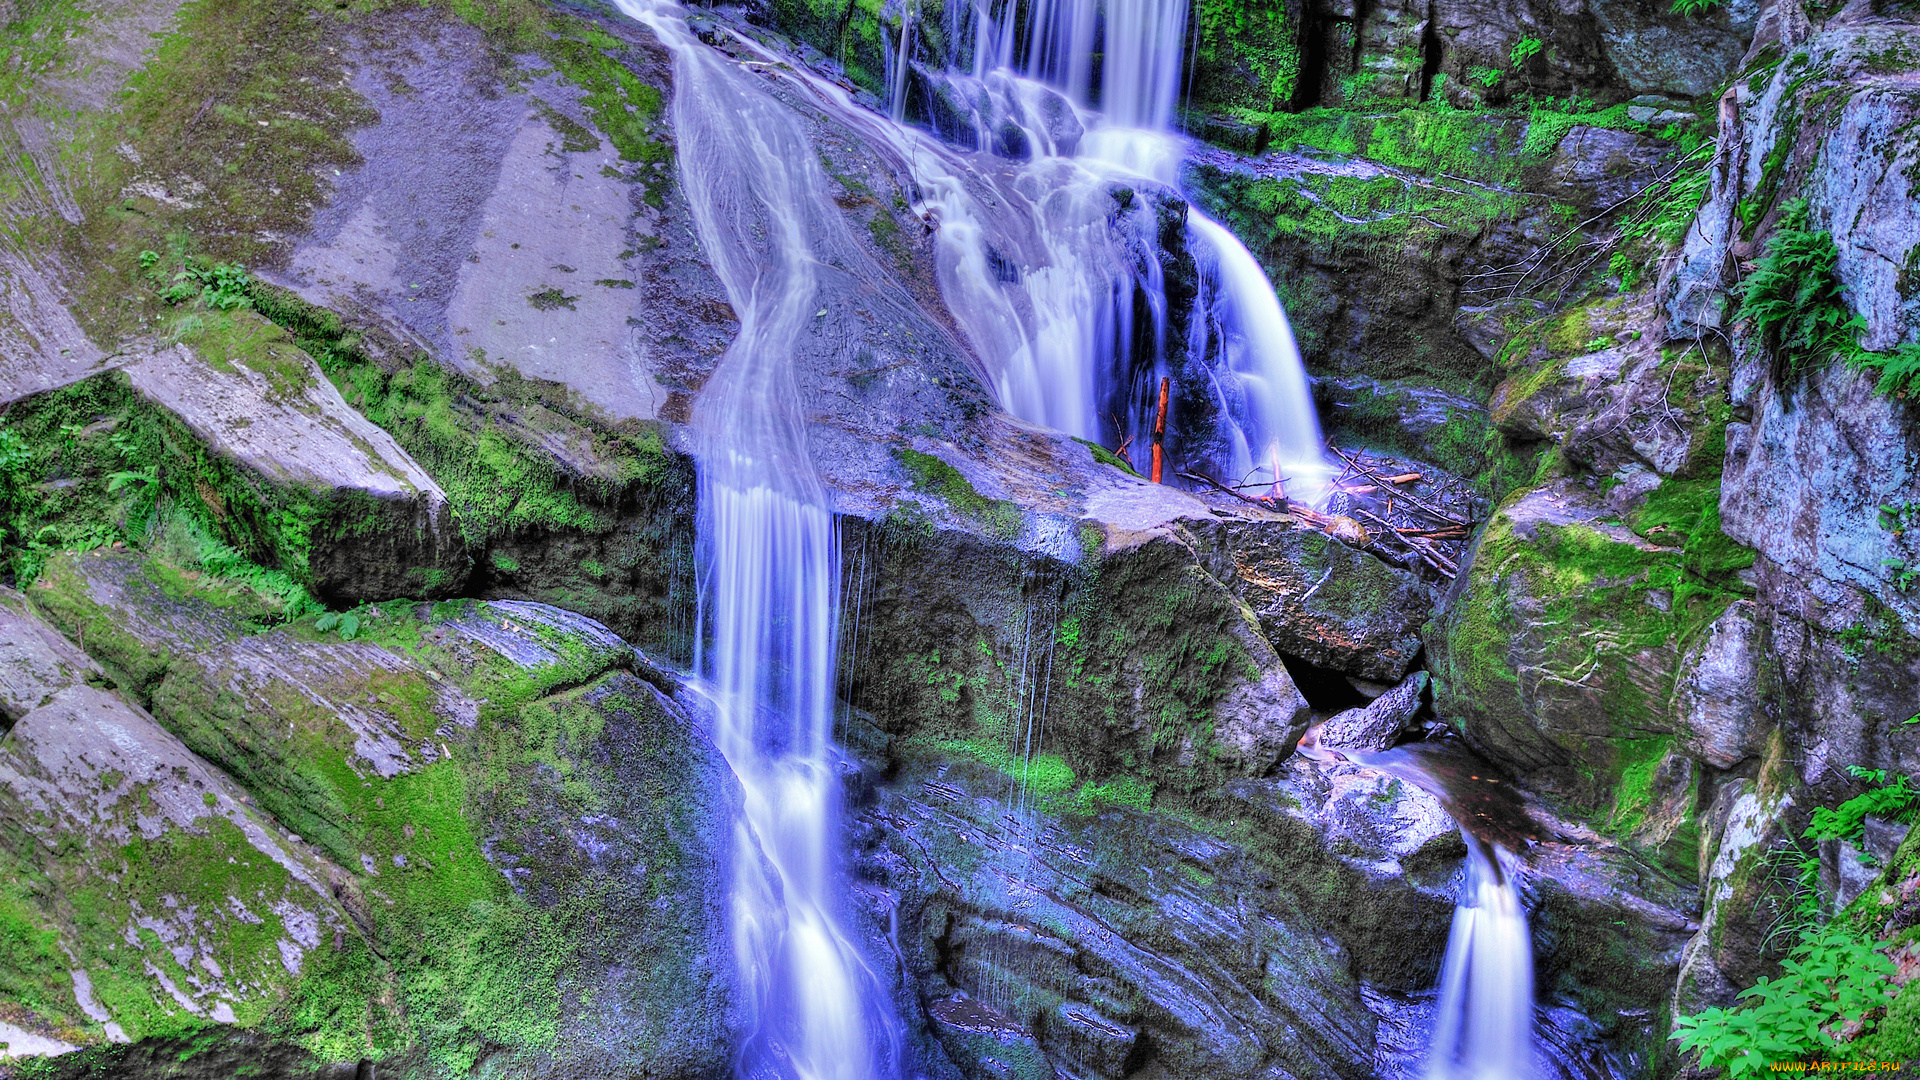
x: 1407, y: 495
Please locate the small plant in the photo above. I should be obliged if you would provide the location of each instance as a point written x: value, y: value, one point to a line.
x: 1695, y: 7
x: 551, y: 299
x: 1849, y: 819
x: 347, y: 622
x: 1599, y: 344
x: 1488, y: 77
x: 1833, y: 978
x: 15, y: 455
x: 221, y: 286
x: 1899, y: 368
x: 1898, y: 517
x: 145, y: 485
x: 1524, y: 50
x: 1793, y: 298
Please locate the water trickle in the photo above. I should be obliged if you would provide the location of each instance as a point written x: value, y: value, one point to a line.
x: 769, y: 569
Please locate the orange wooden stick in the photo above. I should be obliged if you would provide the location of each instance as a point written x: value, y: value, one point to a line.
x: 1160, y: 429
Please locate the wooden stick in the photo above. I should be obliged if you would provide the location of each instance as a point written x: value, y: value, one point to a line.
x: 1216, y: 485
x: 1160, y: 429
x: 1435, y: 511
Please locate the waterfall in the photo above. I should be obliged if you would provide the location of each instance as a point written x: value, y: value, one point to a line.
x: 1483, y: 1022
x: 1483, y: 1018
x: 769, y: 566
x: 1045, y: 291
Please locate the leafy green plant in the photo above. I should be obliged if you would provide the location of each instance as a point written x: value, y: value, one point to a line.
x: 1896, y: 518
x: 1833, y: 977
x: 1899, y: 368
x: 145, y: 485
x: 1794, y: 299
x: 179, y: 539
x: 1801, y: 314
x: 1849, y: 819
x: 1664, y: 210
x: 346, y: 622
x: 1524, y: 50
x: 1695, y: 7
x: 15, y: 456
x: 220, y: 286
x: 1488, y: 77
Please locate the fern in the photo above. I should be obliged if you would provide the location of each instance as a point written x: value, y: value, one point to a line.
x: 1899, y: 370
x: 1695, y: 7
x: 1846, y: 821
x: 1794, y: 299
x: 1524, y: 50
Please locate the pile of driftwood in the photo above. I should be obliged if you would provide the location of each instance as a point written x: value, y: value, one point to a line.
x: 1411, y: 517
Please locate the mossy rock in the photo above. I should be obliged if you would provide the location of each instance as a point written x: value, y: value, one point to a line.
x: 1560, y: 656
x: 463, y: 766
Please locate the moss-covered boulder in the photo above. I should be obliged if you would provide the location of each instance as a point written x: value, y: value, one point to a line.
x: 146, y: 892
x: 528, y: 831
x: 1561, y: 653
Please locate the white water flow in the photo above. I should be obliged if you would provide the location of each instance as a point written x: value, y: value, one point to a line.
x: 1483, y: 1017
x: 1483, y: 1021
x: 770, y: 572
x: 1031, y: 268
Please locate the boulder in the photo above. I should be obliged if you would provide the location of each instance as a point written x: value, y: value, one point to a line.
x: 1378, y: 725
x: 1322, y: 600
x: 503, y: 785
x: 1558, y: 655
x: 377, y: 526
x: 137, y: 869
x: 1749, y: 887
x: 35, y: 661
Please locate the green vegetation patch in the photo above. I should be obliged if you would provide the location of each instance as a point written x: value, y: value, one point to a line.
x: 1047, y: 783
x: 1799, y: 310
x: 93, y: 465
x: 929, y: 474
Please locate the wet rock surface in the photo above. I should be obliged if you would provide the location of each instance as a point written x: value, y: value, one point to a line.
x: 1108, y: 940
x: 511, y: 755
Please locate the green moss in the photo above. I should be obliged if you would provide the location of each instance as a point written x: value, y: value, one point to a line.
x: 1105, y: 456
x: 1581, y: 608
x: 622, y: 503
x: 1244, y: 55
x: 933, y: 476
x: 1640, y: 760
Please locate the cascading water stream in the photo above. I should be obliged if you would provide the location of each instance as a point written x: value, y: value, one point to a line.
x: 1030, y: 267
x: 1483, y: 1017
x: 1483, y: 1023
x: 769, y: 565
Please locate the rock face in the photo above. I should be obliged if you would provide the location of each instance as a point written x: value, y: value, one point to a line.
x: 142, y: 866
x: 465, y: 780
x: 1044, y: 929
x: 377, y: 524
